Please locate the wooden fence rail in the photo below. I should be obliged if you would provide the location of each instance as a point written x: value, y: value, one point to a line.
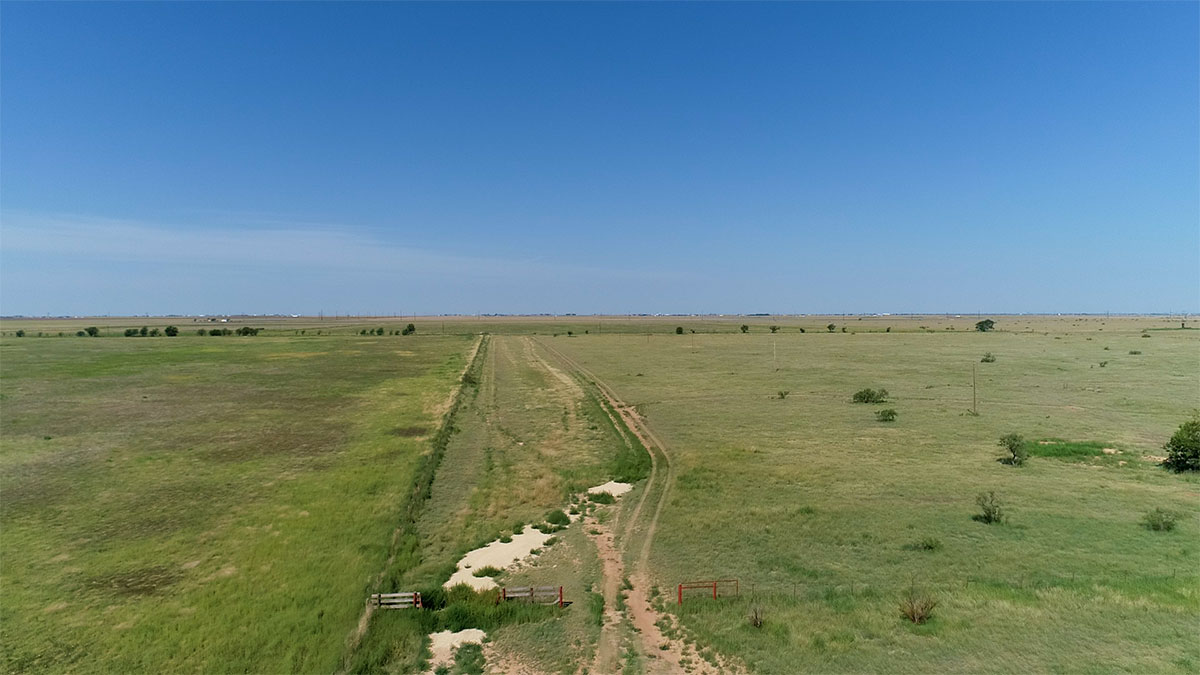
x: 396, y: 600
x: 544, y: 595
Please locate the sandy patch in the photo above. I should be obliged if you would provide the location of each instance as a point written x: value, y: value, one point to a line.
x: 498, y: 554
x: 443, y: 644
x: 611, y: 487
x: 56, y: 607
x: 1109, y: 451
x: 1047, y: 443
x: 190, y: 565
x: 61, y: 557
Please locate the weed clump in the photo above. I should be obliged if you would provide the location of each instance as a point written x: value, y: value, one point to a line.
x: 783, y: 393
x: 1160, y: 520
x: 557, y: 517
x: 917, y: 605
x: 1134, y: 352
x: 1016, y: 447
x: 988, y: 357
x: 601, y: 498
x: 870, y: 396
x: 991, y: 510
x: 487, y: 571
x: 468, y: 660
x: 926, y: 544
x: 886, y: 415
x: 756, y: 616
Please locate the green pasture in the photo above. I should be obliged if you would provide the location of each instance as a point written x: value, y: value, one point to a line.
x: 820, y: 509
x: 215, y: 504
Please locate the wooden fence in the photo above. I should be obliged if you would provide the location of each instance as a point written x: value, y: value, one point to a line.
x: 396, y: 600
x: 542, y: 595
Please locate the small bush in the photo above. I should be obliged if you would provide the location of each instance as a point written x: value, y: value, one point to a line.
x: 870, y: 396
x: 988, y: 358
x: 557, y: 517
x: 20, y: 333
x: 886, y: 415
x: 926, y: 544
x: 1134, y: 352
x: 1016, y: 447
x: 831, y: 327
x: 679, y: 330
x: 991, y: 510
x: 131, y: 332
x: 171, y: 331
x: 1160, y: 520
x: 487, y: 571
x: 601, y: 498
x: 756, y: 616
x: 1103, y: 363
x: 745, y: 328
x: 80, y: 333
x: 774, y: 329
x: 1183, y: 450
x: 917, y: 605
x: 985, y: 325
x: 801, y: 330
x: 92, y: 331
x: 409, y: 330
x: 783, y: 393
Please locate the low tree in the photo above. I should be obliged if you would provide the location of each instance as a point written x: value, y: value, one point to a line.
x: 131, y: 332
x: 171, y: 331
x: 409, y: 330
x: 92, y: 331
x: 1015, y: 445
x: 80, y: 333
x: 870, y: 396
x: 153, y: 332
x: 985, y: 325
x: 1183, y: 449
x: 831, y: 327
x: 679, y: 330
x: 987, y: 358
x: 886, y: 415
x: 20, y: 333
x: 801, y: 330
x: 144, y: 331
x: 745, y: 328
x: 774, y: 329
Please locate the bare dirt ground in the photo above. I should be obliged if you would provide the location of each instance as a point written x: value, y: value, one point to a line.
x: 660, y: 654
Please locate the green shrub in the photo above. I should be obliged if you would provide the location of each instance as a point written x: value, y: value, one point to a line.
x: 557, y: 517
x: 745, y: 328
x: 831, y: 327
x: 987, y: 358
x: 886, y: 415
x: 1160, y: 520
x: 774, y: 329
x: 870, y: 396
x: 1134, y: 352
x: 679, y: 330
x: 1183, y: 449
x: 1017, y: 449
x: 985, y: 325
x: 171, y: 331
x: 756, y: 615
x: 131, y: 332
x: 409, y: 330
x: 990, y: 507
x: 783, y: 393
x: 92, y: 331
x: 20, y: 333
x: 487, y: 571
x: 601, y: 498
x: 468, y: 660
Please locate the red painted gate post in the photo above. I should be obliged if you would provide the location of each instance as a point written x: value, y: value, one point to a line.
x: 560, y: 596
x: 714, y: 590
x: 502, y: 594
x: 681, y: 595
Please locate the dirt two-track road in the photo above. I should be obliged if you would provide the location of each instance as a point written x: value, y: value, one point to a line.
x: 659, y: 654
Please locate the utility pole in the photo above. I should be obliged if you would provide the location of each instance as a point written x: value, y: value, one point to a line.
x: 974, y: 397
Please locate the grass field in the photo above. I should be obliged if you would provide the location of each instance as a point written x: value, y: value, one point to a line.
x: 814, y: 504
x: 225, y: 503
x: 202, y: 504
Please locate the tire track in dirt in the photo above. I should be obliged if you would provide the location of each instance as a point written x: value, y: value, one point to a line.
x: 659, y: 653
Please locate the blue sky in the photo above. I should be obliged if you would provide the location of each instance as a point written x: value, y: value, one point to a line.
x: 429, y: 158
